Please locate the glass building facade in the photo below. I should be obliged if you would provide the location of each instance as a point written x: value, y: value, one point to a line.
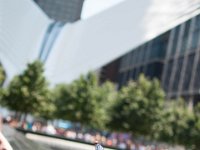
x: 147, y: 59
x: 62, y: 10
x: 173, y: 57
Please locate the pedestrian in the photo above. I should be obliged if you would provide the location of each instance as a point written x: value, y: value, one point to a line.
x: 98, y: 146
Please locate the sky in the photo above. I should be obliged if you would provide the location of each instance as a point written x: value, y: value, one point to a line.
x: 92, y: 7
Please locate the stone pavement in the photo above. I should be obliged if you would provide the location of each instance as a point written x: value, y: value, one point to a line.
x: 19, y: 142
x: 59, y: 144
x: 39, y: 142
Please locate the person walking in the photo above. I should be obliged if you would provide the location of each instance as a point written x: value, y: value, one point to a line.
x: 98, y: 146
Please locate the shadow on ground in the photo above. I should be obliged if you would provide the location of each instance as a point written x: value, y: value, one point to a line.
x: 19, y: 142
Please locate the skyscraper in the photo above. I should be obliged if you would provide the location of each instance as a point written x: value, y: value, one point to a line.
x: 62, y: 10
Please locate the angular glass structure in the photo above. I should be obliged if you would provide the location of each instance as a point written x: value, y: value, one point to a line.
x: 173, y: 57
x: 62, y: 10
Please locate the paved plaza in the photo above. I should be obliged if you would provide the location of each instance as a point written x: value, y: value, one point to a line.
x: 39, y: 142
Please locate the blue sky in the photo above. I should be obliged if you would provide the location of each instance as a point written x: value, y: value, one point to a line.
x: 92, y: 7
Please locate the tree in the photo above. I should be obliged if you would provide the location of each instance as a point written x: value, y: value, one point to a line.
x: 28, y: 92
x: 106, y: 97
x: 174, y: 123
x: 192, y: 137
x: 47, y: 111
x: 2, y: 75
x: 84, y: 101
x: 138, y: 107
x: 2, y: 79
x: 180, y: 125
x: 64, y: 101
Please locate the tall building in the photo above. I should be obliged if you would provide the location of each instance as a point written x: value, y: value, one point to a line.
x: 173, y: 57
x: 71, y: 49
x: 62, y: 10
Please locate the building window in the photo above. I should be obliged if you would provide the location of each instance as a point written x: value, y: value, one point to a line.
x: 134, y: 74
x: 185, y: 37
x: 125, y: 61
x: 195, y: 34
x: 195, y: 40
x: 159, y: 47
x: 140, y: 51
x: 128, y: 76
x: 163, y: 45
x: 177, y: 74
x: 197, y: 76
x: 145, y: 52
x: 154, y: 70
x: 152, y: 50
x: 136, y: 56
x: 122, y: 63
x: 168, y: 75
x: 120, y: 79
x: 132, y: 61
x: 141, y: 70
x: 124, y: 78
x: 188, y: 72
x: 128, y: 60
x: 175, y: 41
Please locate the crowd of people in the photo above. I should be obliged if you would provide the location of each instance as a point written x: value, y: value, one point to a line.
x: 115, y: 140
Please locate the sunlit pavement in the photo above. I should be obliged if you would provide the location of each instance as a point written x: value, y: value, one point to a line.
x: 33, y: 141
x: 40, y: 142
x: 19, y: 142
x: 59, y: 143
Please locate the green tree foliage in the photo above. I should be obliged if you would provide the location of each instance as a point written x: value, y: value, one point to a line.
x: 106, y: 97
x: 2, y: 79
x: 175, y: 123
x: 138, y: 107
x: 194, y: 128
x: 47, y: 111
x: 28, y: 92
x: 180, y: 125
x: 2, y: 75
x: 64, y: 101
x: 84, y: 101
